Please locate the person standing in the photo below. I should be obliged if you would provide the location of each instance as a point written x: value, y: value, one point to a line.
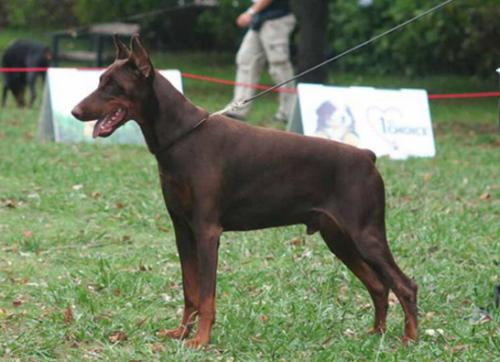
x: 269, y: 23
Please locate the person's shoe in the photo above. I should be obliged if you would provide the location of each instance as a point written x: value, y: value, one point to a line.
x: 280, y: 117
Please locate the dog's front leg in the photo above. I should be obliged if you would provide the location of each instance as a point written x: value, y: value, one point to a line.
x: 207, y: 245
x: 186, y: 247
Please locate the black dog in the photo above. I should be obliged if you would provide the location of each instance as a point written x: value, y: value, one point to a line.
x: 23, y: 54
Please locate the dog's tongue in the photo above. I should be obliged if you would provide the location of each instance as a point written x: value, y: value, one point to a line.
x: 97, y: 125
x: 106, y: 125
x: 99, y: 128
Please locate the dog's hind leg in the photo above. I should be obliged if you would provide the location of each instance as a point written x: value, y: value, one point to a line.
x: 363, y: 220
x: 374, y: 249
x: 340, y: 244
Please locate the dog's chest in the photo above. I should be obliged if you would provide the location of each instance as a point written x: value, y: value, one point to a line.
x: 178, y: 192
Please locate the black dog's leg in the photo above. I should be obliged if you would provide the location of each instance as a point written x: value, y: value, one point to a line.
x: 4, y: 93
x: 32, y: 84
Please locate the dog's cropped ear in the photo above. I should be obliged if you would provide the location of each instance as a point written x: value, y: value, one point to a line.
x: 122, y: 51
x: 140, y: 56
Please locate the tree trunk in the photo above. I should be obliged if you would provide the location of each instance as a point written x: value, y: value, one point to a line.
x: 312, y: 39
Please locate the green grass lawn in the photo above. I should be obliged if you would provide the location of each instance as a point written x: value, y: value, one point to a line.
x: 84, y: 228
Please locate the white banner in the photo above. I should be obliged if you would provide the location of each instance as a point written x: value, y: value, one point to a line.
x: 64, y: 89
x: 388, y: 122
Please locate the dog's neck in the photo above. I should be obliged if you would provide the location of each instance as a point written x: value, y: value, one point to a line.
x: 168, y: 116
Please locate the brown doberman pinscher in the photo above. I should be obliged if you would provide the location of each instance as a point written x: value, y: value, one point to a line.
x: 219, y: 174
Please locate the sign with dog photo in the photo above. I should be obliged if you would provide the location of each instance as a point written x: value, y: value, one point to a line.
x: 394, y: 123
x: 64, y: 88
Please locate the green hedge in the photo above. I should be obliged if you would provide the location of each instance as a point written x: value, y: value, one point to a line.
x: 462, y: 37
x: 29, y: 14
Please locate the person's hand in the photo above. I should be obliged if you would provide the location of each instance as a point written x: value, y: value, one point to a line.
x: 244, y: 20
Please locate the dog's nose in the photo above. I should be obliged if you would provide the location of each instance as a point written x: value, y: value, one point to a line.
x: 77, y: 112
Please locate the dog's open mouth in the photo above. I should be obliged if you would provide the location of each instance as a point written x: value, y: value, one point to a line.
x: 105, y: 126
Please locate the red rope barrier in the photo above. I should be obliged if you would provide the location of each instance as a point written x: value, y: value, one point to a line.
x: 232, y: 83
x: 464, y: 95
x: 261, y: 86
x: 22, y: 70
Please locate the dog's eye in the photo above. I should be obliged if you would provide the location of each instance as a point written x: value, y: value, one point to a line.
x: 113, y: 88
x: 103, y: 81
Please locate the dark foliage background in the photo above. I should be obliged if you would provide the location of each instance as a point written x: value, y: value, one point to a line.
x: 462, y: 38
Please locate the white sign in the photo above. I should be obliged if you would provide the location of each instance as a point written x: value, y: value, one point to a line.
x: 396, y: 123
x: 64, y: 89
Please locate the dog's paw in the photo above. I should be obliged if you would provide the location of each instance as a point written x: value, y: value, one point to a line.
x: 407, y: 340
x: 196, y: 343
x: 178, y: 333
x: 377, y: 330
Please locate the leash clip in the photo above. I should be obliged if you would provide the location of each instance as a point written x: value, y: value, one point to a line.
x: 235, y: 106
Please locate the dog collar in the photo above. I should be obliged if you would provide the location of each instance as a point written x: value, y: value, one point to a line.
x: 172, y: 143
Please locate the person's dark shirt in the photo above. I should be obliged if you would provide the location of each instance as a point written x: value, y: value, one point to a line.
x: 276, y: 9
x: 277, y: 5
